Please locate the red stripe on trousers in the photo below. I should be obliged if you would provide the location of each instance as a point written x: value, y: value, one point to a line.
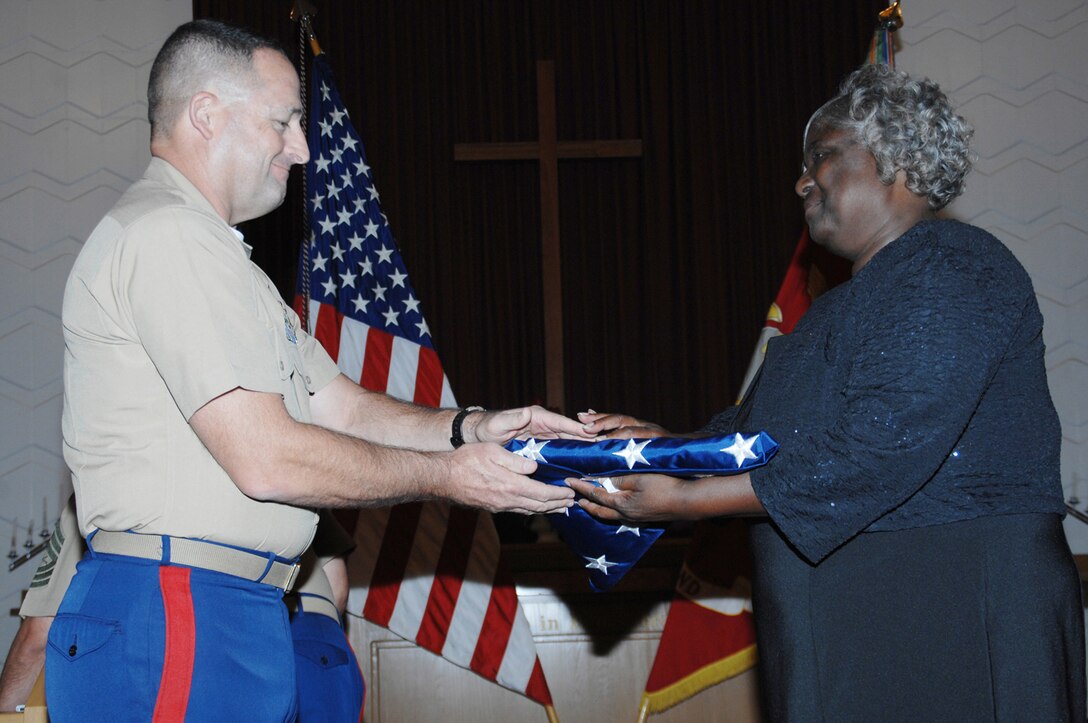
x: 428, y: 379
x: 449, y: 575
x: 498, y: 622
x: 327, y: 329
x: 379, y: 350
x: 177, y: 669
x: 392, y: 559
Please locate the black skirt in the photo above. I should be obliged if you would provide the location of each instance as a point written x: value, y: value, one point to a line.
x: 969, y: 621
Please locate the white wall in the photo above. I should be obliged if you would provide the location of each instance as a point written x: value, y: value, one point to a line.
x: 1016, y: 70
x: 74, y: 134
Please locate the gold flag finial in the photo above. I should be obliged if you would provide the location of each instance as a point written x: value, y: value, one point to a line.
x: 301, y: 12
x: 891, y: 18
x: 302, y: 9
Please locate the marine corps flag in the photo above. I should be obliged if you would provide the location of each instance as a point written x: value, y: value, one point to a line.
x: 709, y: 634
x: 430, y: 573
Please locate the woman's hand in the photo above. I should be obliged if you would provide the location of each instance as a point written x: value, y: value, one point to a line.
x: 639, y: 498
x: 642, y: 498
x: 619, y: 426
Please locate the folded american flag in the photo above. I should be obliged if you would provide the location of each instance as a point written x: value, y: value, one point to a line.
x: 610, y: 550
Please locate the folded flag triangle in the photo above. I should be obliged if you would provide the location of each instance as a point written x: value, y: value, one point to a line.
x: 610, y: 550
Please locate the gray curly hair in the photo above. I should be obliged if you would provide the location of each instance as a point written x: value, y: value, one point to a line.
x: 907, y: 125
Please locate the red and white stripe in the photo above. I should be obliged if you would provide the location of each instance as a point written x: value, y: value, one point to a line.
x: 431, y: 573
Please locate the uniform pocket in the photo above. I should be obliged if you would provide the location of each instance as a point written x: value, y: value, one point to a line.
x: 73, y: 637
x: 320, y: 653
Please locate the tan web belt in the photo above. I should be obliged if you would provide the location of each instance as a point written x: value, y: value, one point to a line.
x: 312, y: 604
x: 196, y: 553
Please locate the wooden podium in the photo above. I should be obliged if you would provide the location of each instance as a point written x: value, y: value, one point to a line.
x: 596, y: 650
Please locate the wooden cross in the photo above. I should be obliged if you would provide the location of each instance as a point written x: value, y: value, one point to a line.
x: 548, y: 151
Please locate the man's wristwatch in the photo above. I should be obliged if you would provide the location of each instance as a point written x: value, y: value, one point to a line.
x: 456, y: 439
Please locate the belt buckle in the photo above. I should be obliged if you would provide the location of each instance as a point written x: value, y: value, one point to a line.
x: 292, y: 577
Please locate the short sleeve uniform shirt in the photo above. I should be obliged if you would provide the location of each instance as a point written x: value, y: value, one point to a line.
x: 163, y: 312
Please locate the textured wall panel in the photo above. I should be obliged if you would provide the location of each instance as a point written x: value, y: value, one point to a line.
x: 1016, y: 69
x: 74, y: 132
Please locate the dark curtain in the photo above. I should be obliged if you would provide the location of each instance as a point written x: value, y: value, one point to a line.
x: 669, y: 261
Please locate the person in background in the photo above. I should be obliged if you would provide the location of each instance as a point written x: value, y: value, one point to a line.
x: 203, y: 426
x: 910, y: 562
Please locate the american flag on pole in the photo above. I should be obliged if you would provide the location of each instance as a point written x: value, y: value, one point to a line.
x: 430, y: 573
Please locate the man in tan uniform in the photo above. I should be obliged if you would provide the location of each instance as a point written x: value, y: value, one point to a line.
x: 203, y: 426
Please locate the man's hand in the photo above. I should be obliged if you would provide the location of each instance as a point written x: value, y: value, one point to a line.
x: 535, y: 421
x: 620, y: 426
x: 489, y: 477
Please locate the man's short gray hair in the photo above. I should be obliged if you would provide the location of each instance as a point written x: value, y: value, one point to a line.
x: 195, y: 53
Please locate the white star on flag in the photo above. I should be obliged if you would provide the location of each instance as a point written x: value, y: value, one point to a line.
x: 353, y: 239
x: 632, y: 453
x: 532, y: 449
x: 599, y: 563
x: 741, y: 449
x: 636, y: 531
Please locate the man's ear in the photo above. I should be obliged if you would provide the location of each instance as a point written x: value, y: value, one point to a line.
x: 201, y: 115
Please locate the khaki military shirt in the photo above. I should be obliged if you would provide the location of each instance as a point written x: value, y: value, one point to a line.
x: 163, y: 312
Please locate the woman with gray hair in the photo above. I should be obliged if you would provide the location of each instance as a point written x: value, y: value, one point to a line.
x: 910, y: 562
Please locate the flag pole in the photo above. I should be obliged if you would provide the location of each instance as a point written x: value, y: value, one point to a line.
x: 347, y: 237
x: 681, y: 672
x: 888, y: 21
x: 301, y: 11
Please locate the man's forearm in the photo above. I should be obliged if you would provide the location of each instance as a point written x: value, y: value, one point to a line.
x: 347, y: 408
x: 272, y: 457
x: 24, y: 662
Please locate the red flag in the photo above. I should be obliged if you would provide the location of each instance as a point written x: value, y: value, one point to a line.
x: 789, y: 305
x: 430, y: 573
x: 705, y: 643
x: 707, y: 637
